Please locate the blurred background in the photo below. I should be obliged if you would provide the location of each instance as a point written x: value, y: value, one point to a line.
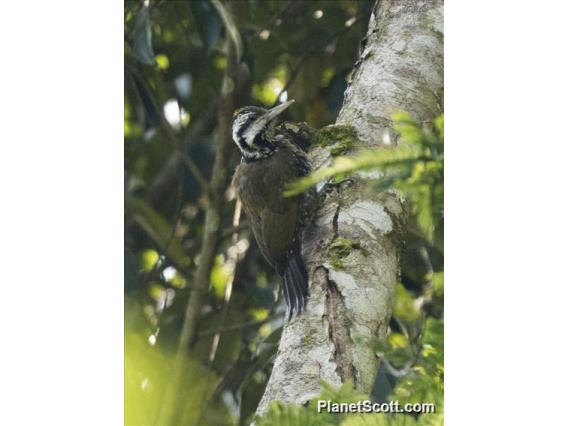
x: 188, y: 65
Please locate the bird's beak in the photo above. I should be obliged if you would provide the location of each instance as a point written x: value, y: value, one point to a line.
x: 276, y: 111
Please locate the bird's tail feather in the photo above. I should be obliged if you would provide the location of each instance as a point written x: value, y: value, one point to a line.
x: 295, y: 283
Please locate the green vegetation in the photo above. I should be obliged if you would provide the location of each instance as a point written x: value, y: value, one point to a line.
x: 339, y: 139
x: 176, y: 60
x: 413, y: 353
x: 338, y: 250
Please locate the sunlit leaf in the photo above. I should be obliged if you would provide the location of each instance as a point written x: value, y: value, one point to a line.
x: 439, y: 124
x: 410, y: 132
x: 404, y: 305
x: 259, y: 314
x: 219, y: 276
x: 438, y: 280
x: 147, y: 372
x: 162, y: 61
x: 280, y: 414
x: 158, y: 229
x: 365, y: 160
x: 149, y: 258
x: 368, y: 419
x: 346, y: 393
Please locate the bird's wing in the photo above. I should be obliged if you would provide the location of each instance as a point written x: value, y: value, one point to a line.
x: 274, y: 218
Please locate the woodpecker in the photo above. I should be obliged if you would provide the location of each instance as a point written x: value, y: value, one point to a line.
x: 272, y: 156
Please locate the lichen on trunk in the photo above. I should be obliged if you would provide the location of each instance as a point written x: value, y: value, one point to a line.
x: 352, y: 247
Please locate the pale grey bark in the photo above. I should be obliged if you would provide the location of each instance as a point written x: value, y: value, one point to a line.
x: 353, y: 247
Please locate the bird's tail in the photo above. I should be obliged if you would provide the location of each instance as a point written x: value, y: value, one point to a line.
x: 295, y: 278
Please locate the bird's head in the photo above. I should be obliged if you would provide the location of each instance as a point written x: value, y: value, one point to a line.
x: 249, y: 125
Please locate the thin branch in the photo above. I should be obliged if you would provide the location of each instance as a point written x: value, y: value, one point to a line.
x: 275, y: 17
x: 233, y: 257
x: 217, y: 187
x: 296, y: 70
x: 195, y: 172
x: 396, y: 372
x: 228, y: 232
x: 167, y: 176
x: 238, y: 326
x: 164, y: 123
x: 164, y: 249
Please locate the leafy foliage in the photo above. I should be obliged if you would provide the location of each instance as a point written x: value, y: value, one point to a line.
x: 413, y: 354
x: 175, y: 60
x: 142, y: 45
x: 415, y: 166
x: 281, y: 414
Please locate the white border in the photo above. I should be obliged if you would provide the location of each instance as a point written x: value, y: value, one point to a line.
x: 61, y: 174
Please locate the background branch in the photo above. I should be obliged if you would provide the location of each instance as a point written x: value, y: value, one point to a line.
x: 208, y: 246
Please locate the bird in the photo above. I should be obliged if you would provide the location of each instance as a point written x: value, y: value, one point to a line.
x: 272, y: 156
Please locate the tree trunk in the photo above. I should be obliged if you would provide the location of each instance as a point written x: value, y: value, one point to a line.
x: 353, y: 247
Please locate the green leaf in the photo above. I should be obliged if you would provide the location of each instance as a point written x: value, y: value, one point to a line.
x: 367, y: 419
x: 410, y: 132
x: 280, y: 415
x: 208, y: 22
x: 422, y: 209
x: 365, y: 160
x: 231, y: 27
x: 344, y: 394
x: 438, y: 280
x: 158, y: 229
x: 439, y: 125
x: 142, y: 39
x: 404, y: 305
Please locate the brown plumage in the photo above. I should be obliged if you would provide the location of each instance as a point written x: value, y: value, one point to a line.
x: 276, y: 221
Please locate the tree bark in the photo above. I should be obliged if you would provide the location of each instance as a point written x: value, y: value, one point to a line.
x: 353, y: 247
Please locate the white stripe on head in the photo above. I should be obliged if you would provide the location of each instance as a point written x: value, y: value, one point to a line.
x: 238, y: 124
x: 253, y: 130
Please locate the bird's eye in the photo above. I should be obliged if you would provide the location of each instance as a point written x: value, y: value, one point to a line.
x: 237, y: 112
